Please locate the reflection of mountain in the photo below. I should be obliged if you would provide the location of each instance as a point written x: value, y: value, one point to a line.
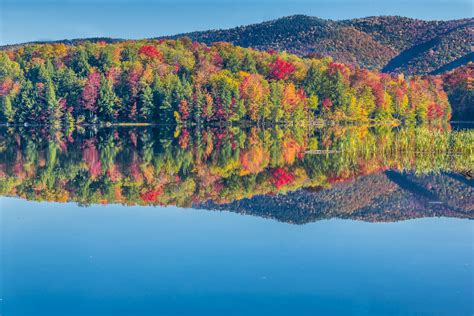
x: 383, y: 197
x: 156, y: 166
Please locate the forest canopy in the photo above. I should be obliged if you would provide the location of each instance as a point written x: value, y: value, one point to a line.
x: 180, y: 81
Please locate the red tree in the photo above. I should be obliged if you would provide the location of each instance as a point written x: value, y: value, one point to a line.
x: 184, y: 110
x: 151, y: 196
x: 5, y: 86
x: 281, y: 177
x: 91, y: 156
x: 281, y: 69
x: 150, y: 52
x: 90, y: 92
x: 435, y: 111
x: 327, y: 104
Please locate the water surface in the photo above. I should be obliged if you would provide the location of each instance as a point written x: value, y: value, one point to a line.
x: 61, y: 259
x: 237, y: 221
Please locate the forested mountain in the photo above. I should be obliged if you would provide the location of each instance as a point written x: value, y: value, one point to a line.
x: 389, y: 43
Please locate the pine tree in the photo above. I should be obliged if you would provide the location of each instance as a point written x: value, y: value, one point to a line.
x: 107, y: 100
x: 146, y: 105
x: 80, y: 63
x: 249, y: 64
x: 52, y: 104
x: 6, y: 109
x: 199, y: 105
x: 312, y: 81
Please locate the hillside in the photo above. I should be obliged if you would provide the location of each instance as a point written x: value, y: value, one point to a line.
x: 387, y: 43
x: 458, y: 83
x: 390, y: 43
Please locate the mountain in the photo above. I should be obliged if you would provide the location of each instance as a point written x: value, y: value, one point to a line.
x: 382, y: 197
x: 388, y: 43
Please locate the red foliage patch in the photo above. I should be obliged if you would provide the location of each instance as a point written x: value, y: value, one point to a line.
x: 344, y: 70
x: 184, y: 138
x: 90, y: 92
x: 150, y: 52
x: 435, y: 111
x: 327, y: 104
x: 151, y: 196
x: 5, y: 86
x: 91, y: 156
x: 184, y: 110
x: 281, y: 69
x: 281, y: 177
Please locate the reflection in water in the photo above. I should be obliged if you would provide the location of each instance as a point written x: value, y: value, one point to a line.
x: 290, y: 174
x: 63, y: 259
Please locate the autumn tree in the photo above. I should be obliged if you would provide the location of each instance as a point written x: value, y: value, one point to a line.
x: 90, y: 94
x: 254, y: 91
x: 281, y: 69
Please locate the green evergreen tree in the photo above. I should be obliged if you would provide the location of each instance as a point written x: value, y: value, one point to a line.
x: 6, y: 111
x: 80, y: 63
x: 312, y: 81
x: 107, y: 100
x: 199, y: 106
x: 146, y: 105
x: 249, y: 64
x: 105, y: 60
x: 52, y: 104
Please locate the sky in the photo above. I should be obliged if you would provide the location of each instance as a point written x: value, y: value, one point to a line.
x: 31, y: 20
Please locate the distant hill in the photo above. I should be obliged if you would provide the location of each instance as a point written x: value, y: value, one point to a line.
x: 388, y: 43
x: 383, y: 197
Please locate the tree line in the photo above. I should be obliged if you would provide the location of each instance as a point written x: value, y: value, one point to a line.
x: 180, y: 81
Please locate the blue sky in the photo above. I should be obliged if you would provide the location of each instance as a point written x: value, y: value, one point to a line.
x: 28, y: 20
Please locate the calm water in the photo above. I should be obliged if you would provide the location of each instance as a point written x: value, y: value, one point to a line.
x: 66, y: 260
x: 236, y: 222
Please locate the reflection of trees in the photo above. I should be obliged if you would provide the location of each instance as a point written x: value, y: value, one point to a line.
x: 188, y: 166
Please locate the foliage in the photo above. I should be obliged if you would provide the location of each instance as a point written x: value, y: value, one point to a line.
x: 151, y: 166
x: 459, y: 84
x: 178, y: 81
x: 392, y: 43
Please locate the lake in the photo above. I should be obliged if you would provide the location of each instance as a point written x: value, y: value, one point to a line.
x: 237, y: 221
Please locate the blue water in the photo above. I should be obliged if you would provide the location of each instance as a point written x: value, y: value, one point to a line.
x: 62, y: 259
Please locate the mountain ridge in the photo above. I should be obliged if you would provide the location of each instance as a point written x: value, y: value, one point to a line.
x: 388, y: 43
x: 370, y: 42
